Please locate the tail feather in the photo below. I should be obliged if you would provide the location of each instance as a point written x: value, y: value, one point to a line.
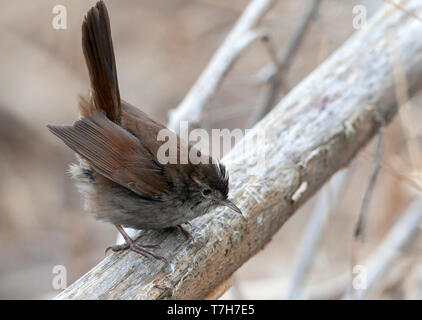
x: 98, y: 50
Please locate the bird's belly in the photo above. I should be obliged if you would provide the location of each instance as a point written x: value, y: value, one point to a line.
x: 120, y: 206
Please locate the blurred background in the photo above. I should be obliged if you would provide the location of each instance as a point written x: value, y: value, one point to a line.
x: 161, y: 47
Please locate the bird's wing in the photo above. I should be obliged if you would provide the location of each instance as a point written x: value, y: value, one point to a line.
x: 115, y: 153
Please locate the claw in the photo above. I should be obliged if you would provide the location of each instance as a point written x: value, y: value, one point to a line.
x: 117, y: 247
x: 138, y: 248
x: 133, y: 246
x: 184, y: 231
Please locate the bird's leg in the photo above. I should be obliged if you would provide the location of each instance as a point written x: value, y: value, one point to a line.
x: 132, y: 245
x: 183, y: 230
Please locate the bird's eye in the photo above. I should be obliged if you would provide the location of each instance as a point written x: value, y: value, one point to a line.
x: 206, y: 192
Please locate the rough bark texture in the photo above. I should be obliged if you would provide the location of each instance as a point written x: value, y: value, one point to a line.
x: 315, y: 130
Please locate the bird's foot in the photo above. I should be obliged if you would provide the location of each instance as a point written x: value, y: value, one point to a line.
x: 184, y: 231
x: 135, y: 247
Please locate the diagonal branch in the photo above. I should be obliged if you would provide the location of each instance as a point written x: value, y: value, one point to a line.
x: 361, y: 224
x: 237, y: 41
x: 275, y: 73
x: 398, y: 238
x: 314, y: 231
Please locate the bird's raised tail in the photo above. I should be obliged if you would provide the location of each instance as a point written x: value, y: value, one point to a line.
x: 98, y: 50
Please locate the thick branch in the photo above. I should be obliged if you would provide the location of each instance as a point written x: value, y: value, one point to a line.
x: 314, y: 131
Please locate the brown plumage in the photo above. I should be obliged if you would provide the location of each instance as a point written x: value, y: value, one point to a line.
x: 97, y: 46
x: 119, y: 174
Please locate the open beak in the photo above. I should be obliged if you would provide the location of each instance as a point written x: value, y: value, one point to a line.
x: 231, y: 205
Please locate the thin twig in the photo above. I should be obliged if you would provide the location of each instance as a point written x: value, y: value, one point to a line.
x: 403, y: 9
x: 399, y: 237
x: 274, y: 74
x: 392, y: 170
x: 361, y: 224
x: 313, y: 232
x: 237, y: 41
x: 285, y: 57
x: 401, y: 89
x: 275, y: 86
x: 392, y: 246
x: 298, y: 36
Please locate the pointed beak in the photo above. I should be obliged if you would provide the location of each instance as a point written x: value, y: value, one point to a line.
x: 231, y: 205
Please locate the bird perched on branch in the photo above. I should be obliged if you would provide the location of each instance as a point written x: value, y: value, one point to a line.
x: 119, y: 174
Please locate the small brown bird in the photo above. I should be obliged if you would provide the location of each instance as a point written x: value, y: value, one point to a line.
x: 118, y: 171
